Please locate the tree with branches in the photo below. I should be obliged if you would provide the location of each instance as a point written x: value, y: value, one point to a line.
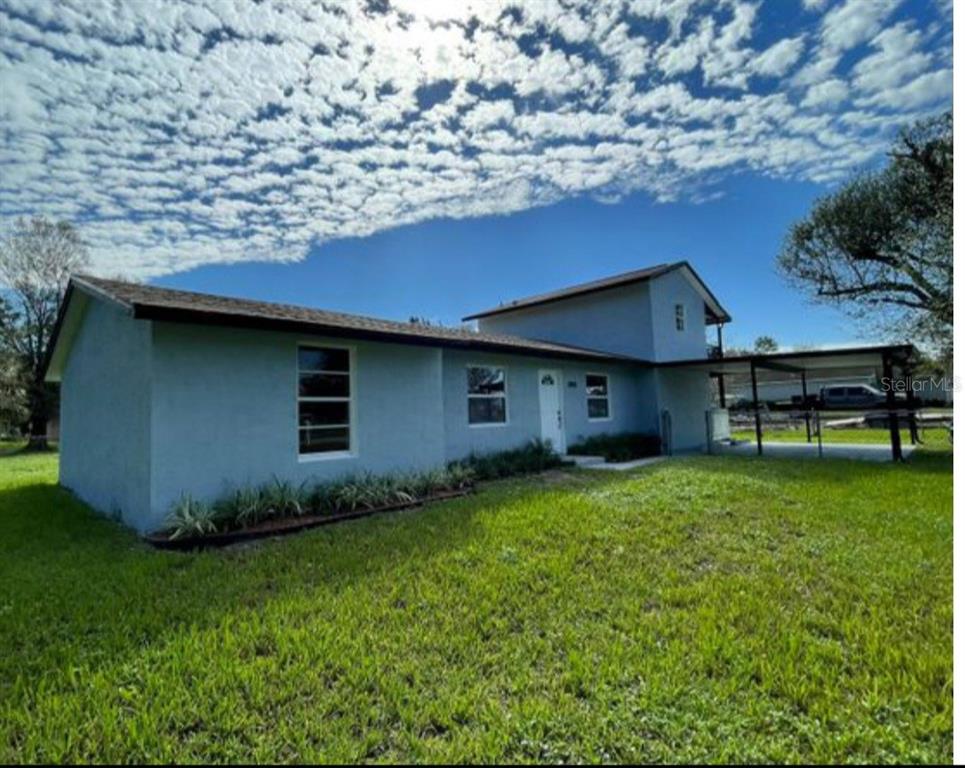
x: 880, y: 247
x: 765, y: 345
x: 36, y: 260
x: 13, y: 392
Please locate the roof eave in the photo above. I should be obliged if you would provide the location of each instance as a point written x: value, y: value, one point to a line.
x: 202, y: 317
x: 552, y: 299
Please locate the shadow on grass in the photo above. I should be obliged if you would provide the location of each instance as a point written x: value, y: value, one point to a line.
x: 75, y: 584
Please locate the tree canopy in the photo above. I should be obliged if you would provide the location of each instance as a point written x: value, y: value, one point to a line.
x: 880, y: 247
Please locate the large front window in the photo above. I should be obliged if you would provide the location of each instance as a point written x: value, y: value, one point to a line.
x: 324, y: 400
x: 486, y: 389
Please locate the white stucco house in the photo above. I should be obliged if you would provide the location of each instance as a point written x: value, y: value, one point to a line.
x: 165, y: 392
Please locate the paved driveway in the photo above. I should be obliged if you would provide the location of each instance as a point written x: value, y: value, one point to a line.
x: 810, y: 450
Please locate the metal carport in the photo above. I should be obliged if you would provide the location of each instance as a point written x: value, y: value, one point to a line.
x: 891, y: 359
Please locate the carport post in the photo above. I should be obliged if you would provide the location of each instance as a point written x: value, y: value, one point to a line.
x: 888, y: 372
x: 911, y: 403
x: 720, y: 390
x: 804, y: 404
x: 757, y: 410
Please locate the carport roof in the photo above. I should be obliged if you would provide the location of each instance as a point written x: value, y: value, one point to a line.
x: 801, y: 361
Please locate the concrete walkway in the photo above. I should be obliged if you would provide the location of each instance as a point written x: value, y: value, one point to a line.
x: 864, y: 452
x: 598, y: 462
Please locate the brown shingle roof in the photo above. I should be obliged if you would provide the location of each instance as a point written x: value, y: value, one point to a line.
x: 614, y: 281
x: 155, y: 303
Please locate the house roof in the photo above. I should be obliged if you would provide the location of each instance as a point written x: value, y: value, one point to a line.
x: 715, y: 313
x: 150, y: 302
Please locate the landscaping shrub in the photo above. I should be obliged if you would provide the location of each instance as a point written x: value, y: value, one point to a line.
x: 623, y: 446
x: 190, y: 517
x: 243, y: 507
x: 532, y: 457
x: 282, y: 499
x: 247, y: 506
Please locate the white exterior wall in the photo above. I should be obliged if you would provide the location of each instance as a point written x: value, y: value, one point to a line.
x: 105, y: 416
x: 225, y: 411
x: 686, y: 395
x: 632, y: 402
x: 617, y: 320
x: 666, y: 292
x: 636, y: 320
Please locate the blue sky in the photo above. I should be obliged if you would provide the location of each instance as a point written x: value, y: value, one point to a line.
x: 446, y: 268
x: 433, y: 157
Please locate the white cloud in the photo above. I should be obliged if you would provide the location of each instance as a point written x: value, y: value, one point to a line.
x: 855, y: 21
x: 896, y: 59
x: 928, y: 89
x: 828, y: 93
x: 779, y: 58
x: 226, y: 131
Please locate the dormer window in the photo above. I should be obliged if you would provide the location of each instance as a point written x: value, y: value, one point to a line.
x: 680, y: 317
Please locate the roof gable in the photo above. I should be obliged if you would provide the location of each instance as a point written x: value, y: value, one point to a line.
x: 714, y: 311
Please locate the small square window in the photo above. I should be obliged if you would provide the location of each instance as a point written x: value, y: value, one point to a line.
x: 597, y: 396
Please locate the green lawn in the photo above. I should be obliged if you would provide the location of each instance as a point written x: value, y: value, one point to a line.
x: 11, y: 446
x: 707, y: 609
x: 934, y: 437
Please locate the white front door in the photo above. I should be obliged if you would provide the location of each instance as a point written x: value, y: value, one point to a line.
x: 551, y: 408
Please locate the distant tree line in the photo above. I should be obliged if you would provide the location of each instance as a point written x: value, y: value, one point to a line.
x: 37, y: 258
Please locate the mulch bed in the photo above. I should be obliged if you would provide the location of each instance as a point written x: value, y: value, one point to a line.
x: 287, y: 525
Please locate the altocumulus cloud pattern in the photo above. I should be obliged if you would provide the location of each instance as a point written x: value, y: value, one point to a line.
x: 181, y: 134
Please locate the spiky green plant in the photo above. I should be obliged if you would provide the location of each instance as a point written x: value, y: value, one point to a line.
x: 349, y: 495
x: 281, y: 498
x: 243, y: 506
x: 458, y: 477
x: 191, y: 517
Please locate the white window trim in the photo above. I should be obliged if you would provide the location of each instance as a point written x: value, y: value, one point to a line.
x: 352, y: 451
x: 504, y: 395
x: 683, y: 316
x: 609, y: 400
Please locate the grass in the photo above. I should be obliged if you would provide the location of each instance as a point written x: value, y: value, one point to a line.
x: 933, y: 437
x: 708, y: 609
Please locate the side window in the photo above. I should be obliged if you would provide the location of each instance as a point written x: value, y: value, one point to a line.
x: 486, y: 391
x: 680, y: 317
x: 597, y: 396
x: 324, y: 400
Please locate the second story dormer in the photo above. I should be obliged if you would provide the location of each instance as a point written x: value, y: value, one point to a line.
x: 659, y: 313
